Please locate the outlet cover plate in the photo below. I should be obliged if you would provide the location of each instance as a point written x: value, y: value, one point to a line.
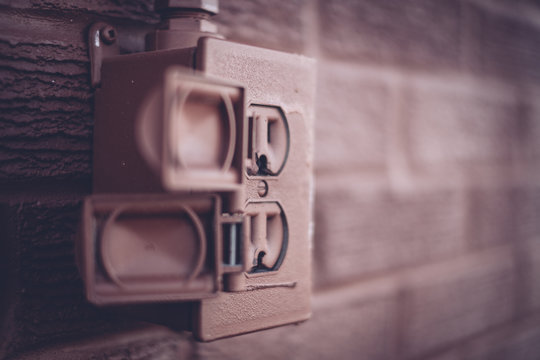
x: 269, y: 299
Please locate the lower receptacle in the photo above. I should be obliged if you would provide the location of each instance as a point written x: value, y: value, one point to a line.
x: 265, y: 240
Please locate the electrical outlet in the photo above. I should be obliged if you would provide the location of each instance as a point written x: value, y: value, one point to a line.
x: 268, y: 140
x: 267, y: 234
x: 280, y: 97
x: 202, y: 132
x: 203, y: 185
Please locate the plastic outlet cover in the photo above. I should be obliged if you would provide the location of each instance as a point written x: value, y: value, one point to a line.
x: 150, y: 248
x: 203, y: 132
x: 161, y: 127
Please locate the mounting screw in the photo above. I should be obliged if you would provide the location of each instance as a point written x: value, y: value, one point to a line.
x: 108, y: 34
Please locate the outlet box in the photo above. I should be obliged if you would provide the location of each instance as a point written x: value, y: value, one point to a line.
x: 203, y: 185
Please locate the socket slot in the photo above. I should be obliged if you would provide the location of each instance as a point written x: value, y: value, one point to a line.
x: 267, y: 234
x: 268, y: 140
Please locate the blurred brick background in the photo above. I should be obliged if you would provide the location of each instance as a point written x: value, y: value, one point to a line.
x: 427, y: 242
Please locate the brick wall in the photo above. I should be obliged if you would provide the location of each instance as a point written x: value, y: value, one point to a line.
x: 427, y: 241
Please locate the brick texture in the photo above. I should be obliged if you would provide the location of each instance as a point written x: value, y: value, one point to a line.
x: 492, y: 217
x: 502, y: 46
x: 46, y: 109
x: 373, y: 234
x: 363, y: 328
x: 518, y: 340
x: 427, y: 236
x: 531, y: 260
x: 262, y: 23
x: 417, y: 33
x: 451, y: 303
x: 531, y: 132
x: 355, y: 134
x: 452, y: 127
x: 528, y: 211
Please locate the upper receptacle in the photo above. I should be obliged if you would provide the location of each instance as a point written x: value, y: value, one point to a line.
x: 268, y: 140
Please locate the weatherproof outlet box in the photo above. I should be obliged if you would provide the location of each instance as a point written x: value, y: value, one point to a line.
x: 203, y: 185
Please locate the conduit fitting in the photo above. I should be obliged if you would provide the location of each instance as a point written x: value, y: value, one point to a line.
x: 183, y: 23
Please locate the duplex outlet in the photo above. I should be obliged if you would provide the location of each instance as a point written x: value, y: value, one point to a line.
x: 275, y: 288
x: 268, y: 140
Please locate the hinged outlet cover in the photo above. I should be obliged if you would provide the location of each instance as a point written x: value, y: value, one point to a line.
x: 160, y: 127
x: 203, y: 132
x: 150, y: 248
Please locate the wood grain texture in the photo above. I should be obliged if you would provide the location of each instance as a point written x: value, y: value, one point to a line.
x: 46, y: 122
x: 46, y: 102
x: 141, y: 10
x: 47, y: 304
